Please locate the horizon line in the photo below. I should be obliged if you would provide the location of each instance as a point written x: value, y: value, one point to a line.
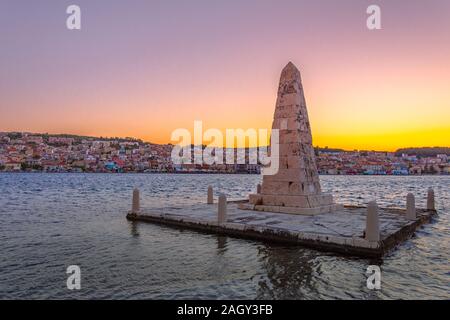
x: 169, y: 143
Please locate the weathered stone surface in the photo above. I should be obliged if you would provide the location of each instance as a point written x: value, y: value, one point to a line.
x: 410, y: 207
x: 222, y: 209
x: 341, y: 231
x: 210, y: 197
x: 372, y: 222
x: 296, y: 185
x: 288, y: 200
x: 297, y: 210
x: 430, y: 199
x: 136, y: 207
x: 255, y: 199
x: 290, y: 94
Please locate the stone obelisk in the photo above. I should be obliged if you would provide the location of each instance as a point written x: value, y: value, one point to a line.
x: 295, y: 188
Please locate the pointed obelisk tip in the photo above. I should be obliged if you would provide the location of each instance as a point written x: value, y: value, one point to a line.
x: 290, y: 72
x: 290, y: 66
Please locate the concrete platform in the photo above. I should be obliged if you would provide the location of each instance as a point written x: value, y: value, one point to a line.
x: 341, y: 231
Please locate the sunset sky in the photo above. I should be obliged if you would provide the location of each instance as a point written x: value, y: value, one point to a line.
x: 145, y: 68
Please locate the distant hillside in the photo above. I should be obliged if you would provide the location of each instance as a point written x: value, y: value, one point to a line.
x: 77, y: 138
x: 424, y: 152
x: 421, y: 152
x: 326, y: 149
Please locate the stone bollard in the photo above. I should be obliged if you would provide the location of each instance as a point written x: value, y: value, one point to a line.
x: 258, y: 188
x: 222, y: 209
x: 372, y: 222
x: 136, y: 207
x: 410, y: 207
x: 430, y: 200
x: 210, y: 199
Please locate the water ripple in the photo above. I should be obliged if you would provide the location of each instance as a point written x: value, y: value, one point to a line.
x: 51, y: 221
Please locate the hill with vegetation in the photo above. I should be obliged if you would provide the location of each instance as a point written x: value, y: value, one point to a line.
x: 423, y: 152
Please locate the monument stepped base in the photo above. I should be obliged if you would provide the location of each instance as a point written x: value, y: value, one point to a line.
x: 292, y: 210
x: 293, y: 204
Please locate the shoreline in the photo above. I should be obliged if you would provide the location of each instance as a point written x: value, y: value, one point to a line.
x: 224, y: 173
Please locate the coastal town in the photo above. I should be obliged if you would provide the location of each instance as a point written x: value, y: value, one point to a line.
x: 30, y: 152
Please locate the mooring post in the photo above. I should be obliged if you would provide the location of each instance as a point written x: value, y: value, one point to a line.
x: 136, y: 207
x: 258, y: 188
x: 430, y: 200
x: 372, y: 222
x: 210, y: 199
x: 222, y: 209
x: 410, y: 207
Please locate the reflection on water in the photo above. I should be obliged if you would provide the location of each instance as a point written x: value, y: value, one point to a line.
x: 50, y: 221
x: 134, y: 228
x: 221, y: 244
x: 288, y: 270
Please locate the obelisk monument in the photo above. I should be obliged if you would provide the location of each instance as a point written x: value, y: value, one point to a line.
x: 295, y: 188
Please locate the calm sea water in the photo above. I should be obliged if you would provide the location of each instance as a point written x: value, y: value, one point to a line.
x: 51, y: 221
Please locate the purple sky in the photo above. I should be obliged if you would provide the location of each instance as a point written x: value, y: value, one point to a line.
x: 145, y: 68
